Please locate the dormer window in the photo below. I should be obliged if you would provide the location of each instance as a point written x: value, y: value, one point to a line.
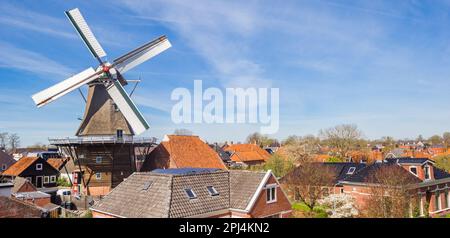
x: 39, y: 166
x: 351, y: 170
x: 271, y: 193
x: 427, y: 172
x: 3, y: 167
x: 190, y: 193
x: 212, y: 191
x: 413, y: 170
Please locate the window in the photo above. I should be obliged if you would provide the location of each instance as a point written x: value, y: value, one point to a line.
x: 351, y: 170
x: 147, y: 185
x: 437, y: 197
x: 342, y: 190
x: 271, y: 193
x: 53, y: 179
x: 413, y: 170
x: 39, y: 166
x: 46, y: 179
x: 3, y: 166
x: 119, y: 134
x: 212, y: 191
x: 190, y: 193
x: 427, y: 172
x: 98, y: 175
x: 98, y: 159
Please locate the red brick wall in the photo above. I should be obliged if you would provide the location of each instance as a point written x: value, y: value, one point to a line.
x: 263, y: 209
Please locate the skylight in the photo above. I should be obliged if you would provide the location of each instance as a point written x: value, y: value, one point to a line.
x: 147, y: 185
x: 351, y: 170
x: 190, y: 193
x: 212, y: 191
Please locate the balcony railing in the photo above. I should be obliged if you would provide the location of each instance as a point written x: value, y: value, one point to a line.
x: 102, y: 140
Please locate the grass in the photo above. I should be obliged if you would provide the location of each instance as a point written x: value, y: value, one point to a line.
x: 302, y: 210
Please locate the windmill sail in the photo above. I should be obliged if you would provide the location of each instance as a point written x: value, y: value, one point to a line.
x: 141, y: 54
x: 127, y: 107
x: 85, y: 33
x: 60, y: 89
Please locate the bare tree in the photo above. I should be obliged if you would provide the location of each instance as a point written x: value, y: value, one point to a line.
x: 183, y: 132
x: 390, y: 195
x: 261, y: 140
x: 446, y: 138
x: 342, y: 138
x: 3, y: 140
x: 309, y: 182
x: 14, y: 141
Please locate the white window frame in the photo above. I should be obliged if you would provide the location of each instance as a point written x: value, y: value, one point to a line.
x: 46, y: 179
x: 417, y: 171
x: 192, y: 191
x: 53, y: 179
x: 269, y: 189
x: 351, y: 170
x: 98, y: 176
x: 214, y: 192
x: 97, y: 159
x: 39, y: 167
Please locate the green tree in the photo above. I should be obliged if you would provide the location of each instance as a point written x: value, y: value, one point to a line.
x: 435, y: 140
x: 279, y: 165
x: 443, y: 162
x: 446, y: 138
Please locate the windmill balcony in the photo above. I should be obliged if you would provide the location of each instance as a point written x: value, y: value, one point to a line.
x: 102, y: 140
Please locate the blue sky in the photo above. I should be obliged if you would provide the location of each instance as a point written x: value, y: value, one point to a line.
x: 383, y: 65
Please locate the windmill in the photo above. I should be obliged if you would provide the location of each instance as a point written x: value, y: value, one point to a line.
x: 100, y: 153
x: 107, y: 74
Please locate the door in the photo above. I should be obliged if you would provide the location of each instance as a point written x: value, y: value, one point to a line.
x: 39, y: 181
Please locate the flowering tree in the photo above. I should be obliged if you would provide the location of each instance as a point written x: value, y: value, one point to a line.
x: 339, y: 206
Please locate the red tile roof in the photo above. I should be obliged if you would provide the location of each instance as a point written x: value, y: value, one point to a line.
x: 247, y: 152
x: 188, y: 151
x: 17, y: 168
x: 56, y: 163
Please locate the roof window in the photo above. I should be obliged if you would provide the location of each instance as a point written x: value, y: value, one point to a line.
x: 212, y: 191
x: 190, y: 193
x: 351, y: 170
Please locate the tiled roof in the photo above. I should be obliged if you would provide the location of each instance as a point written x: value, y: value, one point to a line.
x: 132, y: 198
x: 56, y: 163
x: 408, y: 160
x: 17, y: 168
x: 342, y: 169
x: 248, y: 152
x: 150, y: 194
x: 243, y: 184
x: 186, y: 151
x: 5, y: 159
x: 19, y: 182
x: 363, y: 175
x: 182, y: 206
x: 440, y: 174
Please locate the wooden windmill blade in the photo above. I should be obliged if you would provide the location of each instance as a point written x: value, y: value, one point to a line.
x: 141, y: 54
x: 62, y: 88
x: 85, y: 33
x: 131, y: 113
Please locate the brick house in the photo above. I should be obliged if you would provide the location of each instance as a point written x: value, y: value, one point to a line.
x: 431, y: 186
x: 35, y: 169
x: 190, y: 192
x: 176, y: 151
x: 247, y: 154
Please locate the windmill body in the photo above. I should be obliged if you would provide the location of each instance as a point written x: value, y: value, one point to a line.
x: 105, y: 149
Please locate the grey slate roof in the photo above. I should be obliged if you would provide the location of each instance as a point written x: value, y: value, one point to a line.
x: 363, y: 175
x: 408, y: 160
x: 243, y: 185
x: 5, y: 159
x: 166, y: 196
